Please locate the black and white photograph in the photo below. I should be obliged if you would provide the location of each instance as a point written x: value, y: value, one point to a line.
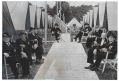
x: 59, y: 40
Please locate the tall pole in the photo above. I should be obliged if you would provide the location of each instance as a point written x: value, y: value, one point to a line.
x: 60, y: 9
x: 46, y: 19
x: 57, y: 7
x: 60, y: 14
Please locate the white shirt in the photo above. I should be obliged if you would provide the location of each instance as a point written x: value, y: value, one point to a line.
x: 102, y: 42
x: 8, y: 43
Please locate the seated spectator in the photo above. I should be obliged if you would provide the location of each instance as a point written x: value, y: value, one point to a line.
x: 34, y: 45
x: 94, y: 33
x: 25, y: 44
x: 110, y: 47
x: 79, y: 35
x: 14, y: 55
x: 40, y: 44
x: 86, y: 29
x: 94, y: 49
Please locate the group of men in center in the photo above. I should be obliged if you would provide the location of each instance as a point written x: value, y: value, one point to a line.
x: 21, y: 51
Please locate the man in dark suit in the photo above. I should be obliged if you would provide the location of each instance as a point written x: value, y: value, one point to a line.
x: 79, y: 35
x: 10, y: 52
x: 57, y: 32
x: 40, y: 46
x: 95, y: 33
x: 95, y: 49
x: 23, y: 43
x: 34, y: 44
x: 86, y: 29
x: 110, y: 47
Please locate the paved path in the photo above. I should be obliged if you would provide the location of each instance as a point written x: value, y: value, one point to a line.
x: 66, y: 61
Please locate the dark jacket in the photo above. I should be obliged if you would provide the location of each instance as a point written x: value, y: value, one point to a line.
x: 98, y: 34
x: 31, y: 38
x: 39, y: 40
x: 26, y: 43
x: 9, y: 49
x: 113, y: 49
x: 57, y: 31
x: 79, y: 35
x: 99, y: 40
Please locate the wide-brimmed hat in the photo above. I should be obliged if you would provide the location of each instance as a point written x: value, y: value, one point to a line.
x: 56, y: 24
x: 86, y: 24
x: 111, y: 34
x: 23, y: 33
x: 31, y: 28
x: 6, y: 35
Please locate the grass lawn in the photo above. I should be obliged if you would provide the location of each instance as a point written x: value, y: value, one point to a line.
x: 109, y: 73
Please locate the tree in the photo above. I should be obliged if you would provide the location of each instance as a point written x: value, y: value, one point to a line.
x: 71, y: 11
x: 65, y: 10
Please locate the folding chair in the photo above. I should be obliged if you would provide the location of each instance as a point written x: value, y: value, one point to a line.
x: 6, y: 71
x: 84, y: 38
x: 111, y: 62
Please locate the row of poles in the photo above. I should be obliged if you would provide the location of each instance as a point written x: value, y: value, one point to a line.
x: 46, y: 25
x: 104, y: 15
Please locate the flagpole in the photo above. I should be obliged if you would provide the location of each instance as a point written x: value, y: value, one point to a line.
x: 57, y: 6
x: 46, y: 22
x: 60, y: 14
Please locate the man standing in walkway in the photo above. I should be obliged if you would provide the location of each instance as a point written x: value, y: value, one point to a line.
x: 57, y: 32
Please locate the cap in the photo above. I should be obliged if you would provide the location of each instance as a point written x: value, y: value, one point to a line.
x: 6, y: 35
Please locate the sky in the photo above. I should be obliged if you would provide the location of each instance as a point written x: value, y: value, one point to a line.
x: 74, y: 3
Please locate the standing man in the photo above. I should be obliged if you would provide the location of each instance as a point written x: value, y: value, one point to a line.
x: 57, y: 32
x: 13, y: 56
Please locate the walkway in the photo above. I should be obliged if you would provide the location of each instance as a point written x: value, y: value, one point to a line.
x: 66, y: 61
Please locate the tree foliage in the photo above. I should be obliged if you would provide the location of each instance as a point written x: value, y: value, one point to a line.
x: 70, y: 11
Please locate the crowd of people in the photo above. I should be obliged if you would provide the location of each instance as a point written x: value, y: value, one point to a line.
x: 22, y: 51
x: 99, y: 43
x: 27, y: 45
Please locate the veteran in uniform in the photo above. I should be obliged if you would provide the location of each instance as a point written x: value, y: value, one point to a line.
x: 13, y: 56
